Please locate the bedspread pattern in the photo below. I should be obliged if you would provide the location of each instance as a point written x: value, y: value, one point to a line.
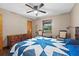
x: 42, y: 46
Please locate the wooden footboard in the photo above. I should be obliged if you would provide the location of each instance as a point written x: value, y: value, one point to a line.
x: 13, y: 39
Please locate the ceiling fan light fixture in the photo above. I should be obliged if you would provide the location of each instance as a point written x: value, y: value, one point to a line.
x: 35, y: 11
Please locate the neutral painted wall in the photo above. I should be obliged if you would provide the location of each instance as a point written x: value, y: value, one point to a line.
x: 59, y: 22
x: 13, y: 24
x: 74, y: 19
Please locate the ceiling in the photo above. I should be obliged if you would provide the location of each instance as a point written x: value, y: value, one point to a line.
x: 50, y: 8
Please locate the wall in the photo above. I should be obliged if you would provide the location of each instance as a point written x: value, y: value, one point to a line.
x: 59, y: 22
x: 13, y: 24
x: 74, y: 19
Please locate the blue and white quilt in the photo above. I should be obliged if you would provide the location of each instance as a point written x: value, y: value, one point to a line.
x: 42, y: 46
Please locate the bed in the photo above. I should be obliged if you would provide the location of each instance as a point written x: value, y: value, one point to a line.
x: 43, y: 46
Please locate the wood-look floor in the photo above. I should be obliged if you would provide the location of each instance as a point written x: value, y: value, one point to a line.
x: 4, y: 51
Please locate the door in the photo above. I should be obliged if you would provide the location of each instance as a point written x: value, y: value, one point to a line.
x: 1, y: 31
x: 29, y: 29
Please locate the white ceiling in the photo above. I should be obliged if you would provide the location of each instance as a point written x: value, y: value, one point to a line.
x: 50, y: 8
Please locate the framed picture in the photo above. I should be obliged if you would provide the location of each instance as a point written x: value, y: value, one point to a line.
x: 47, y: 26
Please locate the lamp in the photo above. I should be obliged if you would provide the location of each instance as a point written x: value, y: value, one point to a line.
x: 40, y: 33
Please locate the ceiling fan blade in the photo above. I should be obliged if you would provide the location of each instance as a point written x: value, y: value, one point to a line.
x: 29, y: 6
x: 41, y: 5
x: 41, y: 11
x: 30, y: 11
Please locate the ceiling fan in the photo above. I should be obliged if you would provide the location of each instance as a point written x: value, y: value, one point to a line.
x: 36, y: 8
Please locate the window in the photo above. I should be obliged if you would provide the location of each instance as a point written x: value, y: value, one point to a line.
x: 47, y: 26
